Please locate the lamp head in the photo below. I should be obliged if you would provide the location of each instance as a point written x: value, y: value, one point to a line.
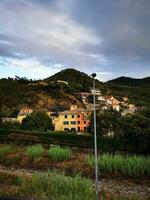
x: 93, y: 75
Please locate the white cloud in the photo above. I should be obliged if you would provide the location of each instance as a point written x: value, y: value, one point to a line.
x: 104, y: 75
x: 31, y: 66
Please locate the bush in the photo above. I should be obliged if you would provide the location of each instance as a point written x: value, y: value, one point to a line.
x: 10, y: 125
x: 59, y: 187
x: 39, y: 121
x: 135, y: 166
x: 34, y: 151
x: 59, y: 154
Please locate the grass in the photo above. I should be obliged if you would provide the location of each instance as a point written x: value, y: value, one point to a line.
x: 135, y: 166
x: 59, y: 154
x: 4, y: 151
x: 9, y: 179
x: 35, y: 151
x: 52, y: 185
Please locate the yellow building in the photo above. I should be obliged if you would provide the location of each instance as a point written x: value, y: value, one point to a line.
x: 23, y: 114
x: 72, y: 120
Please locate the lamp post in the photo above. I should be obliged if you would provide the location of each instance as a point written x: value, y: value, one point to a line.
x: 95, y: 139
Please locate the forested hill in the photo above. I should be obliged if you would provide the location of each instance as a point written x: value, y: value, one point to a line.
x: 76, y: 79
x: 52, y: 95
x: 127, y: 81
x: 46, y: 94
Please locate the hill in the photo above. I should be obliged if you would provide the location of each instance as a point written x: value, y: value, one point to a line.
x: 127, y: 81
x: 77, y: 80
x: 54, y: 95
x: 46, y: 94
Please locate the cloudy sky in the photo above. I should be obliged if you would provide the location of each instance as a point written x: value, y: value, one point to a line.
x: 41, y: 37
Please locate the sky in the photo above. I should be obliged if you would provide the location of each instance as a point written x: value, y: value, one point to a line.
x: 41, y: 37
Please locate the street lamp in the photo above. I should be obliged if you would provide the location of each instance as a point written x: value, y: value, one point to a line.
x: 95, y: 139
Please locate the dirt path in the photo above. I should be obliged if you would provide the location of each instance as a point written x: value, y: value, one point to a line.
x: 122, y: 187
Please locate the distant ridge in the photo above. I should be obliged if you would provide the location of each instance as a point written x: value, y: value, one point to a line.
x: 127, y: 81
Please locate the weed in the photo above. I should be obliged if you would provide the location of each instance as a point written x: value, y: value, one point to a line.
x: 59, y: 154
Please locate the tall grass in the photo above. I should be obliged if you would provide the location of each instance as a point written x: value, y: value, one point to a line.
x: 4, y: 151
x: 135, y: 166
x: 59, y: 187
x: 59, y: 154
x: 35, y: 151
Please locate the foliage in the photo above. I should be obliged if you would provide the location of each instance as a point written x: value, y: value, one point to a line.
x: 139, y: 96
x: 145, y: 82
x: 35, y: 151
x: 10, y: 125
x: 107, y: 121
x: 136, y: 166
x: 4, y: 151
x: 18, y: 93
x: 55, y: 186
x: 59, y: 154
x: 37, y: 121
x: 111, y: 144
x: 135, y: 133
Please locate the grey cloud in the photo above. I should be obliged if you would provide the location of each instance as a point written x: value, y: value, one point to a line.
x: 110, y: 36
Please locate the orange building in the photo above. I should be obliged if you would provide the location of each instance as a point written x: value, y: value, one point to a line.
x: 72, y: 120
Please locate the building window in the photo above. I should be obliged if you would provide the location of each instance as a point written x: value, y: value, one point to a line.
x: 72, y: 116
x: 78, y: 122
x: 84, y: 122
x: 66, y: 129
x: 73, y: 129
x: 78, y: 116
x: 84, y: 128
x: 65, y: 122
x: 73, y: 122
x: 65, y: 116
x: 78, y: 129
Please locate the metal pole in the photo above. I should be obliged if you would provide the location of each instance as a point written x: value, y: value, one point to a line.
x: 95, y: 140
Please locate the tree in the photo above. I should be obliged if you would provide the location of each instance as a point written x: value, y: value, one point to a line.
x: 37, y: 121
x: 135, y: 133
x: 107, y: 121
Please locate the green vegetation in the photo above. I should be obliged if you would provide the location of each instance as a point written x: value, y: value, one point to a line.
x: 129, y: 131
x: 59, y: 187
x: 107, y: 121
x: 4, y: 151
x: 35, y: 151
x: 11, y: 125
x: 134, y: 82
x: 37, y: 121
x: 59, y: 154
x: 135, y: 166
x: 78, y: 81
x: 59, y: 138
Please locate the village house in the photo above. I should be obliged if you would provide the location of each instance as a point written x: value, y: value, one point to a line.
x: 72, y: 120
x: 110, y: 102
x: 9, y: 119
x: 23, y: 113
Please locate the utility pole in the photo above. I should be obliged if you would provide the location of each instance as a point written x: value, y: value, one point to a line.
x: 95, y: 140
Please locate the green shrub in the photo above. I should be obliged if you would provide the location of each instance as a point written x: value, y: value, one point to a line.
x: 135, y: 166
x: 59, y: 154
x: 55, y: 186
x: 35, y: 151
x: 4, y: 151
